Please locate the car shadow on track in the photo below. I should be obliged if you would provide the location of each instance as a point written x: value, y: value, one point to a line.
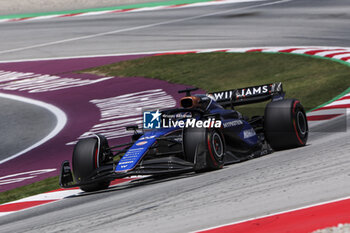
x: 137, y: 183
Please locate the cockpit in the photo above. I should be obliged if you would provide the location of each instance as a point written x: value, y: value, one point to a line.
x: 199, y: 101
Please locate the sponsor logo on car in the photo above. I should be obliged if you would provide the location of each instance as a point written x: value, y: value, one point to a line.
x: 252, y: 91
x: 127, y: 162
x: 248, y: 133
x: 147, y: 137
x: 233, y: 123
x: 246, y: 92
x: 141, y: 143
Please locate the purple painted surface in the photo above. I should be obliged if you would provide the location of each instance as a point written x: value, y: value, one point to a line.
x: 81, y: 114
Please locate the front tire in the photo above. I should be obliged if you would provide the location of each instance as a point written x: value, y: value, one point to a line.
x: 204, y: 147
x: 285, y: 124
x: 86, y: 159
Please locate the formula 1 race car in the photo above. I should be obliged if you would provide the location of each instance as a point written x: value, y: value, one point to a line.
x: 204, y: 134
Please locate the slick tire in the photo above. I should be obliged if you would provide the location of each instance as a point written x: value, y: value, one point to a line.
x: 204, y: 147
x: 285, y: 124
x: 86, y: 159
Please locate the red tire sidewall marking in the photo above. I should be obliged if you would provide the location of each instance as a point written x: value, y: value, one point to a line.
x: 294, y: 124
x: 210, y: 151
x: 96, y: 157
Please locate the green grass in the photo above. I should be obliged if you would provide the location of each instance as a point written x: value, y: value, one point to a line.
x: 312, y: 81
x: 42, y: 186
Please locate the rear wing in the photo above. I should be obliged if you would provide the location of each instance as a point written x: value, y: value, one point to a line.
x: 249, y: 95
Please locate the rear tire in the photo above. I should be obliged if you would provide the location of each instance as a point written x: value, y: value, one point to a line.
x: 86, y: 159
x: 285, y: 124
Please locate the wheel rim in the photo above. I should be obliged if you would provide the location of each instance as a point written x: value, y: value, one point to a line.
x: 217, y: 145
x: 301, y: 121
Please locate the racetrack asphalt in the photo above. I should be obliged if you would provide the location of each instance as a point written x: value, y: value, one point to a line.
x: 19, y: 125
x: 292, y: 23
x: 276, y: 182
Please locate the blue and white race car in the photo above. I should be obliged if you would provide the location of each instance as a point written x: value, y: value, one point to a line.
x: 204, y: 134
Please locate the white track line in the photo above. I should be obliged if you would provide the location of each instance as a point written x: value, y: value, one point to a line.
x: 49, y: 196
x: 229, y: 50
x: 131, y: 10
x: 139, y: 27
x: 59, y: 114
